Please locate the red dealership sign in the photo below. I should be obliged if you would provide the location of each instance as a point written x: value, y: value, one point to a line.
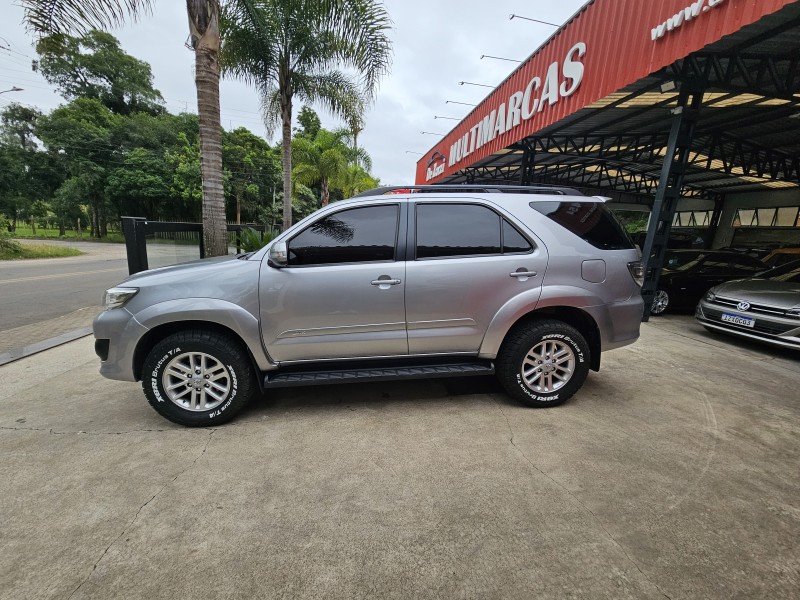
x: 606, y: 46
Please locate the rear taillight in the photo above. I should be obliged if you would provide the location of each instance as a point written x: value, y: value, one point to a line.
x: 637, y: 272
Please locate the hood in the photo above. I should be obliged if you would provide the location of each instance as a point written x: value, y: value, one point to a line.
x: 193, y: 268
x: 780, y: 294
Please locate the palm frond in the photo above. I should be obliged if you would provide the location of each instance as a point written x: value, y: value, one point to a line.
x: 46, y: 17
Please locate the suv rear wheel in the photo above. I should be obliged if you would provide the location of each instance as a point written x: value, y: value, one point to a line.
x: 543, y: 363
x: 198, y: 378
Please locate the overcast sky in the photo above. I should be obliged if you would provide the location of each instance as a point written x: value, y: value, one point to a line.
x: 436, y: 45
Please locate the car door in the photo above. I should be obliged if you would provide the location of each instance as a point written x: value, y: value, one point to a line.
x: 341, y: 294
x: 467, y: 261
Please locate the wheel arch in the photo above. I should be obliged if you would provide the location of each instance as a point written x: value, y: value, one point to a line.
x: 149, y: 340
x: 575, y: 316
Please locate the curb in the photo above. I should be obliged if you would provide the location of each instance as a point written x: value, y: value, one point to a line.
x: 25, y: 351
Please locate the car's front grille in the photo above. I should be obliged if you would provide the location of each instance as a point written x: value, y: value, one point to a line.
x: 761, y: 325
x: 763, y: 309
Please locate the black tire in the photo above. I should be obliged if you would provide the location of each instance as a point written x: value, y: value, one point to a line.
x: 660, y: 303
x: 517, y: 364
x: 219, y: 378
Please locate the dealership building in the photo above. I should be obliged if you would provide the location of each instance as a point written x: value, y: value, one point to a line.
x: 689, y: 109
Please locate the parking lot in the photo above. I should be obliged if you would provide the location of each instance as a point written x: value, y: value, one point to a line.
x: 672, y: 473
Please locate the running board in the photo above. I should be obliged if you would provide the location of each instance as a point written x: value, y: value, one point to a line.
x: 354, y: 375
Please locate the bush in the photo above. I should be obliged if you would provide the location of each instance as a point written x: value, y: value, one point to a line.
x: 250, y: 240
x: 8, y: 245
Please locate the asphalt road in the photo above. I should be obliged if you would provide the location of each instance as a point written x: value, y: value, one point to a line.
x: 37, y: 290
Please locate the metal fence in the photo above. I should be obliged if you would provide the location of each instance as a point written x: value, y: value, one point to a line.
x: 151, y: 244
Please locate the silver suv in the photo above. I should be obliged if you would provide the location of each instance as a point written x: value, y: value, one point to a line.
x: 530, y: 284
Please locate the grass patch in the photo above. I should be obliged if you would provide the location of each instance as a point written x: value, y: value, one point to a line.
x: 24, y: 231
x: 37, y: 251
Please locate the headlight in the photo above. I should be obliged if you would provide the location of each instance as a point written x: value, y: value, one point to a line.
x: 793, y: 313
x: 710, y: 297
x: 117, y: 296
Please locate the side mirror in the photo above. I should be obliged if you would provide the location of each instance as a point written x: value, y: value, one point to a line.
x: 278, y: 256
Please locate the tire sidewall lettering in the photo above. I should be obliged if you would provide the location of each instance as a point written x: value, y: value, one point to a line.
x: 565, y: 338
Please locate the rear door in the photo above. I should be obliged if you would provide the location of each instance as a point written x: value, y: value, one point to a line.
x: 467, y: 260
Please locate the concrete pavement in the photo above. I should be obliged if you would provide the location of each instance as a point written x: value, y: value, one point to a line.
x: 673, y: 473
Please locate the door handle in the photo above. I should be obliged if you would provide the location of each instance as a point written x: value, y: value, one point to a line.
x: 385, y: 282
x: 523, y: 274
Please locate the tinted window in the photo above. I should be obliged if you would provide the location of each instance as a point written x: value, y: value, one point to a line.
x: 513, y: 240
x: 591, y: 221
x: 456, y: 230
x: 356, y: 235
x: 717, y: 264
x: 682, y: 260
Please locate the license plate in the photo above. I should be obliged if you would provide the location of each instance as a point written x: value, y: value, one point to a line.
x: 737, y: 320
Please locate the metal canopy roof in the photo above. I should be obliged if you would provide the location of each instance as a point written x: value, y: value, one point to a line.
x: 747, y: 138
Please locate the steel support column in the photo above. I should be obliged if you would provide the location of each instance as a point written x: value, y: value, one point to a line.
x: 526, y: 166
x: 665, y: 203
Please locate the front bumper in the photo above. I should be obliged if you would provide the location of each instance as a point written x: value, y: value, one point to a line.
x: 771, y: 329
x: 117, y: 332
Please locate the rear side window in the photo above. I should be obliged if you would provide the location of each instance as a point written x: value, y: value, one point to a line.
x: 465, y: 230
x: 365, y: 234
x: 593, y: 222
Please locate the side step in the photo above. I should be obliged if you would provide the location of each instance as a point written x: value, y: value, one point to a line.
x: 353, y: 375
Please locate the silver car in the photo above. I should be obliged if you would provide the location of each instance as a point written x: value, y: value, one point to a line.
x: 765, y: 308
x: 529, y: 284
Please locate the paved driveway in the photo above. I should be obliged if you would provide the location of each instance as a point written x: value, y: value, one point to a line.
x: 673, y: 473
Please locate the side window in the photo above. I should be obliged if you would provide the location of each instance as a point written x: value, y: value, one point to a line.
x: 513, y: 240
x: 365, y: 234
x: 465, y: 230
x: 456, y: 230
x: 591, y: 221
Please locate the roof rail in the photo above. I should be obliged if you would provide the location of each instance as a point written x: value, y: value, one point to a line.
x: 471, y: 187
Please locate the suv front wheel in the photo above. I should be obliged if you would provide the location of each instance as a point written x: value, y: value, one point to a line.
x: 198, y: 378
x: 543, y: 363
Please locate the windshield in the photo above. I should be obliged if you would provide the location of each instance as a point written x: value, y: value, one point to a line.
x: 682, y: 261
x: 789, y: 273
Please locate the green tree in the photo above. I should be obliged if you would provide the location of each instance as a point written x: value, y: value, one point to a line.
x: 26, y: 175
x: 186, y: 185
x: 138, y: 185
x: 289, y: 49
x: 251, y: 170
x: 354, y: 180
x: 320, y: 160
x: 94, y: 66
x: 309, y: 123
x: 48, y: 17
x: 82, y: 133
x: 68, y: 200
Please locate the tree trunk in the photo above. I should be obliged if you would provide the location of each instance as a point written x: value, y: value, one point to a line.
x: 204, y: 34
x: 286, y: 116
x: 326, y: 192
x: 33, y: 226
x: 238, y: 209
x: 61, y: 229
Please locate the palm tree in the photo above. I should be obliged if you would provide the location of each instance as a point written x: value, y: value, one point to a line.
x: 353, y: 180
x: 320, y: 160
x: 287, y: 48
x: 46, y: 17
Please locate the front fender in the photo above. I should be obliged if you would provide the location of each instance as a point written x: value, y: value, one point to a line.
x: 230, y: 315
x: 528, y: 302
